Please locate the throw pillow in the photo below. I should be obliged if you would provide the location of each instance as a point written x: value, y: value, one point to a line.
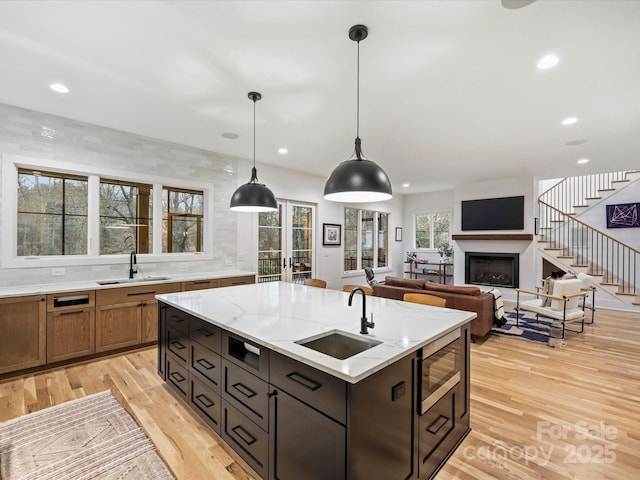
x: 548, y: 284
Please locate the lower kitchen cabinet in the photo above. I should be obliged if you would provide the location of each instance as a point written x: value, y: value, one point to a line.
x: 23, y: 322
x: 128, y: 316
x: 305, y: 443
x: 70, y: 325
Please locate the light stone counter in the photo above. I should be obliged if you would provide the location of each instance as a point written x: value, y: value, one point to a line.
x: 46, y: 288
x: 276, y: 314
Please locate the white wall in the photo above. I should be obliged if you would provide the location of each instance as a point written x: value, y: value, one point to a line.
x: 451, y: 199
x: 301, y: 187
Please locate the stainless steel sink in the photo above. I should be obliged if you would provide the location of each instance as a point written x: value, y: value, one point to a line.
x: 338, y: 344
x: 132, y: 280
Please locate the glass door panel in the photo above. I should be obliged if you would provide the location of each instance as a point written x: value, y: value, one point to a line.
x: 270, y: 251
x: 301, y: 243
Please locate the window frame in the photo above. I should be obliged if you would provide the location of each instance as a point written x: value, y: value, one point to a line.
x: 432, y: 248
x: 9, y: 259
x: 375, y: 237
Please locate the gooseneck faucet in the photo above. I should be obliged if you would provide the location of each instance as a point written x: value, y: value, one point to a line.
x: 133, y: 262
x: 364, y: 323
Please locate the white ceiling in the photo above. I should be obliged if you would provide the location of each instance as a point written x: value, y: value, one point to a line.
x: 450, y: 92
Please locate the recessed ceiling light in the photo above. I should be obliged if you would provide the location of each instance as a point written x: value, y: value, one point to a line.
x: 59, y: 87
x: 582, y: 161
x: 548, y: 61
x: 230, y: 135
x: 283, y: 151
x: 569, y: 121
x: 405, y: 185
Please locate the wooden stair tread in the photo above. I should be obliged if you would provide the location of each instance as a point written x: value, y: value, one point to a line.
x: 610, y: 284
x: 556, y: 249
x: 619, y: 181
x: 593, y: 198
x: 580, y: 206
x: 557, y: 220
x: 627, y: 294
x: 566, y: 256
x: 578, y: 265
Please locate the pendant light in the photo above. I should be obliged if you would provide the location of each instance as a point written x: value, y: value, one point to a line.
x: 253, y: 196
x: 358, y: 179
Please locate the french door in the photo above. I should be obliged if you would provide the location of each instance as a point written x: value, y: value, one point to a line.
x: 285, y: 243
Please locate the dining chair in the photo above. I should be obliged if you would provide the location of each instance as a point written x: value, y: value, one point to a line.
x: 425, y: 299
x: 315, y: 282
x: 349, y: 288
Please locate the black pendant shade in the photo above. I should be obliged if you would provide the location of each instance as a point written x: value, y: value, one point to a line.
x: 253, y: 196
x: 358, y: 180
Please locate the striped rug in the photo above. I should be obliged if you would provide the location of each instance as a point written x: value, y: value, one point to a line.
x: 542, y: 330
x: 90, y: 438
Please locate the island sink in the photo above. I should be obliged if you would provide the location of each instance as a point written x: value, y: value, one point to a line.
x: 337, y: 344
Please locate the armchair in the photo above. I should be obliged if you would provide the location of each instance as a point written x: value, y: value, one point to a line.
x: 566, y: 306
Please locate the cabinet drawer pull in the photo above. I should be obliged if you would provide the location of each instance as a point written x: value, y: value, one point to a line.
x: 437, y: 424
x: 244, y: 390
x: 304, y: 381
x: 63, y: 314
x: 201, y: 282
x: 177, y: 377
x: 205, y: 364
x: 178, y: 345
x: 141, y: 293
x: 177, y: 319
x: 204, y: 400
x: 245, y: 436
x: 238, y: 283
x: 204, y: 332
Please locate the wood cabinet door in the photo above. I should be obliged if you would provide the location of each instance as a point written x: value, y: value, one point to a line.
x: 118, y: 326
x: 149, y: 314
x: 304, y: 443
x: 70, y: 334
x: 22, y: 332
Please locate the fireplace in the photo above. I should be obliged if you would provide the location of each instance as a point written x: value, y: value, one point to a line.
x: 492, y: 269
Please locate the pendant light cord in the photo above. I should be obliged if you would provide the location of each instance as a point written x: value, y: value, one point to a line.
x: 254, y: 132
x: 358, y: 147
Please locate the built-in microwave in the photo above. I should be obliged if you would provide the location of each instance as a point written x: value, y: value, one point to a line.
x: 440, y: 369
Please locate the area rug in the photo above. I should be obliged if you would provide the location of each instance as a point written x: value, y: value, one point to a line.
x: 90, y: 438
x: 529, y: 328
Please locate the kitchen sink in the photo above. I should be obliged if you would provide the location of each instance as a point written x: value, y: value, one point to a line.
x: 337, y: 344
x: 131, y: 280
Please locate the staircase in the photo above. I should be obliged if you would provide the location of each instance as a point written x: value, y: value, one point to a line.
x: 573, y: 245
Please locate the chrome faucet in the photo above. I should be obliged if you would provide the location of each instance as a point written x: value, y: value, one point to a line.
x: 364, y: 323
x: 133, y: 262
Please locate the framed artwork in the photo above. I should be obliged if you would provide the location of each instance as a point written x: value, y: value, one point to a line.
x: 398, y: 234
x: 623, y: 215
x: 331, y: 234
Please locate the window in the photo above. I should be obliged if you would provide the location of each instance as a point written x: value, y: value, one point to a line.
x: 52, y: 214
x: 366, y: 239
x: 182, y: 220
x: 125, y: 217
x: 433, y: 229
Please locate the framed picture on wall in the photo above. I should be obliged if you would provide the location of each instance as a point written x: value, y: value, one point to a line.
x: 623, y: 215
x: 331, y: 234
x: 398, y: 234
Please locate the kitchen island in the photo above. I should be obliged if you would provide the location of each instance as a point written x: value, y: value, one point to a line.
x: 258, y: 364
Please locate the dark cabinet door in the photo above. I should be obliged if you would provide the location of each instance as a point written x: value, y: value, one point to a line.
x: 304, y: 442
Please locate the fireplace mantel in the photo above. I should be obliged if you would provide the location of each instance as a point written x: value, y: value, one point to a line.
x: 493, y: 236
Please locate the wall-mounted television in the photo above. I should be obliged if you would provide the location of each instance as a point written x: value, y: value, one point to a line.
x: 505, y: 213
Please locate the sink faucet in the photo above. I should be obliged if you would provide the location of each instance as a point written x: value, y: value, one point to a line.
x: 133, y: 262
x: 364, y: 323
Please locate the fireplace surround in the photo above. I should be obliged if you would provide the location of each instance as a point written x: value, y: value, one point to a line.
x: 492, y: 269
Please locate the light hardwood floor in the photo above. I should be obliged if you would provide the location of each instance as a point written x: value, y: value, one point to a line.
x: 571, y: 412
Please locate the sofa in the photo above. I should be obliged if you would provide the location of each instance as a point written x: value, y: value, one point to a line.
x: 470, y: 299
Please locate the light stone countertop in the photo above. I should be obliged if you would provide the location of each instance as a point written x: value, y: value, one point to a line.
x: 46, y: 288
x: 276, y: 314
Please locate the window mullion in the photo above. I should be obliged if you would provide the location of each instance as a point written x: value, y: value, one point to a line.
x: 93, y: 215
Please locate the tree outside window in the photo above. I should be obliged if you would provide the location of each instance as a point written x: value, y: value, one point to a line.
x: 182, y: 220
x: 52, y: 213
x: 432, y: 229
x: 365, y: 239
x: 125, y: 217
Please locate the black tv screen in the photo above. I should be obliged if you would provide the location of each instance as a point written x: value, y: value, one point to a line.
x: 506, y: 213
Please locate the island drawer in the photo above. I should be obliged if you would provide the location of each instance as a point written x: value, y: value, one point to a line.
x: 178, y: 320
x: 320, y: 390
x: 178, y: 345
x: 205, y: 334
x: 206, y: 403
x: 177, y: 376
x: 251, y: 440
x: 200, y: 284
x: 242, y: 280
x: 206, y: 364
x: 435, y: 425
x: 246, y: 392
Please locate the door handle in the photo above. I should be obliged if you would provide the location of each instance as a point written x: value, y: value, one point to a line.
x: 284, y: 262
